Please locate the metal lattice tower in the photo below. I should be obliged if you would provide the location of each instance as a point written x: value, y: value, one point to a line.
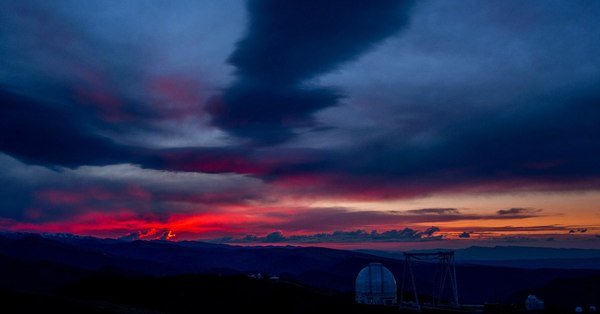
x: 446, y: 274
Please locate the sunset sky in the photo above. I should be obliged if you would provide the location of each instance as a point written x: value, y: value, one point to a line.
x: 348, y: 123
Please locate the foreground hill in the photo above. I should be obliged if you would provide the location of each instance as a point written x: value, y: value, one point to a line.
x: 109, y: 293
x: 42, y: 266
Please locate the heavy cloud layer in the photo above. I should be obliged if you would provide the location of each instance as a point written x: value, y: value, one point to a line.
x: 232, y: 110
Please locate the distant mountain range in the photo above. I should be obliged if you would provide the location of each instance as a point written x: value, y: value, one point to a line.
x: 49, y: 264
x: 516, y: 256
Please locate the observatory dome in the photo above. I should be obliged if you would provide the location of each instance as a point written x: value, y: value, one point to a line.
x: 375, y: 284
x: 532, y: 303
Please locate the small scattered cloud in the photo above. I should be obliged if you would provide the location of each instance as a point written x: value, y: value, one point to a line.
x: 436, y: 211
x: 537, y: 228
x: 465, y: 235
x: 518, y: 211
x: 430, y: 231
x: 404, y: 235
x: 578, y: 230
x: 273, y: 237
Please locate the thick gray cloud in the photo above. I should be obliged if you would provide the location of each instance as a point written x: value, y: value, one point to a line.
x: 477, y: 92
x: 288, y: 43
x: 172, y: 105
x: 35, y: 193
x: 104, y: 79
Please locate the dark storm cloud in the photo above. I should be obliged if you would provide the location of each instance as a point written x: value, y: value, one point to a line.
x: 288, y: 43
x: 41, y: 195
x: 75, y: 94
x: 548, y: 140
x: 291, y: 41
x: 44, y: 133
x: 544, y: 142
x: 544, y: 138
x: 525, y: 117
x: 473, y: 97
x: 268, y: 113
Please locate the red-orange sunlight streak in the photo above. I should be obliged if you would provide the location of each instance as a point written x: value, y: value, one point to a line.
x: 122, y: 222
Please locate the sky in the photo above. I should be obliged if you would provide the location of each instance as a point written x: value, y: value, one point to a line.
x: 348, y: 123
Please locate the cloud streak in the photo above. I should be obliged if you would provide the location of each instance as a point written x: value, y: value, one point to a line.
x: 302, y: 220
x: 517, y: 211
x: 404, y: 235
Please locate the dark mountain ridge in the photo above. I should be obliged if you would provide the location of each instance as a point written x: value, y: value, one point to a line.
x: 38, y: 263
x: 515, y: 256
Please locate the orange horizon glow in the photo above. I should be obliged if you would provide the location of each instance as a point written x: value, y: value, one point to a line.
x: 470, y: 218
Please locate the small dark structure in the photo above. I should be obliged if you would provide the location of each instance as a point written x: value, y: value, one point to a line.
x: 444, y: 281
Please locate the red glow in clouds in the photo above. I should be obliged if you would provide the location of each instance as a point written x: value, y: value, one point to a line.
x: 151, y: 234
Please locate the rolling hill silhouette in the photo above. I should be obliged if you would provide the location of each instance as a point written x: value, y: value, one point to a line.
x: 75, y: 272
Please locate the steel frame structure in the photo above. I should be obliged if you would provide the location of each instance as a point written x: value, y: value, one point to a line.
x: 447, y: 273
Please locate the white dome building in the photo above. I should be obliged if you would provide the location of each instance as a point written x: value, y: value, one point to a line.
x: 532, y: 303
x: 375, y: 284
